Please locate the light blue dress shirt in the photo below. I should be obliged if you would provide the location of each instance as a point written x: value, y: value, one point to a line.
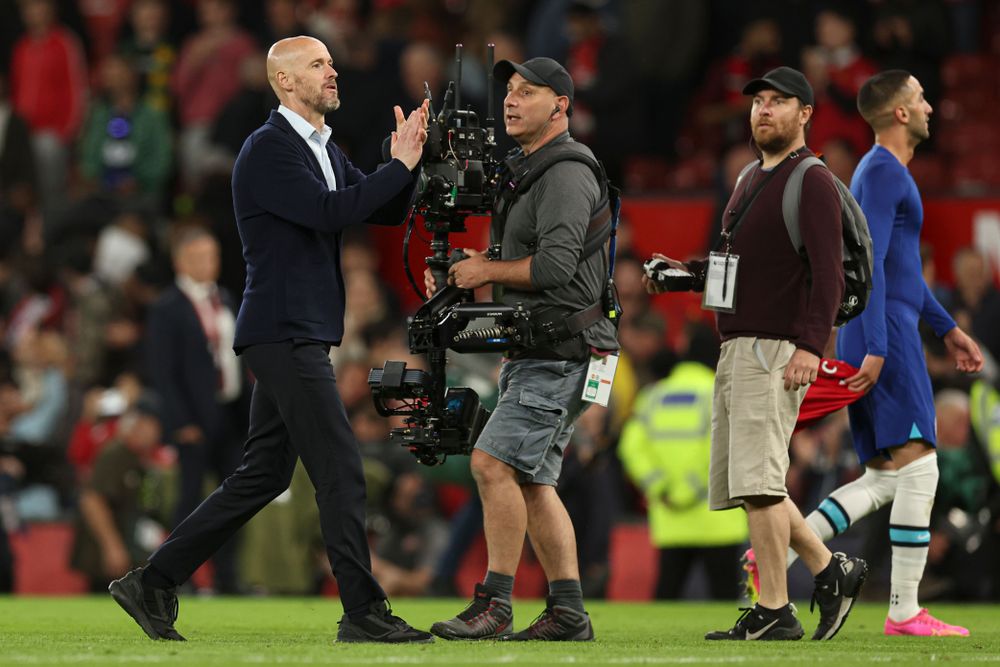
x: 316, y: 141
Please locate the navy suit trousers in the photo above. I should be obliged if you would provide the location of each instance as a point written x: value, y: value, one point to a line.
x: 295, y: 412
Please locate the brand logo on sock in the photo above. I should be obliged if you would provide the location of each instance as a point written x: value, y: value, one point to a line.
x: 759, y: 633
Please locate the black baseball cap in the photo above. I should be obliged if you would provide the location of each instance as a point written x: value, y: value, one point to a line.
x: 785, y: 80
x: 540, y: 71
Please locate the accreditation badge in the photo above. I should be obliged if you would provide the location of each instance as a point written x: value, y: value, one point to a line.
x: 720, y: 283
x: 600, y: 376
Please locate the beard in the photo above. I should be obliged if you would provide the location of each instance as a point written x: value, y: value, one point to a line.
x: 323, y: 105
x: 777, y: 142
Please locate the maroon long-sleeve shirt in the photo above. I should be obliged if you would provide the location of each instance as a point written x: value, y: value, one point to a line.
x: 779, y: 294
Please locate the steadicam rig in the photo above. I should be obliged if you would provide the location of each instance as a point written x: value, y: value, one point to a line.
x: 458, y: 179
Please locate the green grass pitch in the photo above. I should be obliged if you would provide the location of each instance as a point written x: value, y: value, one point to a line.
x: 282, y: 631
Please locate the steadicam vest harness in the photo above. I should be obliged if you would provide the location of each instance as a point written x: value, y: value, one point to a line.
x: 518, y: 175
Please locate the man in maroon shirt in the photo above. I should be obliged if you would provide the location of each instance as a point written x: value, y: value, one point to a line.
x: 775, y: 311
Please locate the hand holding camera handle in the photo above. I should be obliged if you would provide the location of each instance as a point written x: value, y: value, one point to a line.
x: 667, y: 276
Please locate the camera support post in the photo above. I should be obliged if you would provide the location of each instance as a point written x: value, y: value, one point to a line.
x: 458, y: 179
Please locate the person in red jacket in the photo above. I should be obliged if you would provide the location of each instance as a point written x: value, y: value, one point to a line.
x: 48, y: 80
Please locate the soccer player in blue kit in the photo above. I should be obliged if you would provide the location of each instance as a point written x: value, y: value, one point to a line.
x: 893, y: 425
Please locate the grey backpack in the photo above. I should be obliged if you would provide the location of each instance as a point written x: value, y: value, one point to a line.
x: 857, y: 249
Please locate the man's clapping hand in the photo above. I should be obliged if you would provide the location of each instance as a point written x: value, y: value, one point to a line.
x: 410, y: 135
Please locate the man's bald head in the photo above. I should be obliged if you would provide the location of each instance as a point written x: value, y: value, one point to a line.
x: 282, y: 57
x: 300, y: 69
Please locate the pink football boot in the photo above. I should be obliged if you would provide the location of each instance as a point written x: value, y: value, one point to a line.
x: 924, y: 625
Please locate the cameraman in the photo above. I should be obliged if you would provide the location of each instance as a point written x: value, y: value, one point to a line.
x: 543, y: 265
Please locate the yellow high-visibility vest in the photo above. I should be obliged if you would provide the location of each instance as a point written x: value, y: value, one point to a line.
x: 665, y: 449
x: 984, y: 409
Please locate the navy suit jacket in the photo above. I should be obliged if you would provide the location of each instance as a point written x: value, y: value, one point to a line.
x: 181, y: 368
x: 290, y: 224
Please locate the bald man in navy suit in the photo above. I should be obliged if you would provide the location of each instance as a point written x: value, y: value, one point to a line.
x: 294, y: 194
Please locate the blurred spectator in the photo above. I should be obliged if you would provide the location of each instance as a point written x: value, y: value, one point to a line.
x: 913, y: 35
x: 836, y: 69
x: 149, y: 48
x: 667, y: 40
x: 121, y: 248
x: 362, y: 82
x: 839, y: 157
x: 18, y: 177
x: 412, y: 539
x: 98, y: 422
x: 126, y: 144
x: 985, y: 422
x: 975, y: 302
x: 955, y: 560
x: 822, y: 457
x: 643, y: 339
x: 11, y: 470
x: 101, y: 24
x: 283, y: 19
x: 203, y: 82
x: 49, y: 89
x: 41, y: 363
x: 338, y: 23
x: 720, y: 109
x: 420, y: 63
x: 665, y: 451
x: 192, y: 366
x: 106, y: 545
x: 243, y: 114
x: 590, y: 488
x: 100, y: 325
x: 604, y: 75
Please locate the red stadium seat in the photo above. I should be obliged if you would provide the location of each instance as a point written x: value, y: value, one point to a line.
x: 968, y: 70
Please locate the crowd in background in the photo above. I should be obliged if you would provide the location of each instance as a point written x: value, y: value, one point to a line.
x: 119, y: 125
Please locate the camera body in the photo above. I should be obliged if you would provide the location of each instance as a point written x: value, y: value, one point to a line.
x: 432, y: 432
x: 458, y: 166
x: 669, y: 278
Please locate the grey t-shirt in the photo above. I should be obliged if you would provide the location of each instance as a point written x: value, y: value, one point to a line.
x: 549, y: 222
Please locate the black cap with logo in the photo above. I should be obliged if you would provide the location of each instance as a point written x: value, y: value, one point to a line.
x: 785, y: 80
x: 540, y: 71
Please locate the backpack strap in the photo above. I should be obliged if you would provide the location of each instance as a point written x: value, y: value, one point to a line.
x: 743, y: 172
x: 520, y: 174
x: 791, y: 199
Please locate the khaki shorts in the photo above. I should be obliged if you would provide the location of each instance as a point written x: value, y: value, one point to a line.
x: 752, y: 421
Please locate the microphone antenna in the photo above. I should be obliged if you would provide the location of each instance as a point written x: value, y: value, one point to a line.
x: 490, y: 120
x: 458, y: 77
x: 430, y: 100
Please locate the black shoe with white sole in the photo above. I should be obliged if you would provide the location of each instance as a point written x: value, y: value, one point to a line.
x: 761, y: 624
x: 836, y: 593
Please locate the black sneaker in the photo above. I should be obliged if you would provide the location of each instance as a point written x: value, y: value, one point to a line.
x: 154, y: 609
x: 558, y: 624
x: 379, y: 625
x: 758, y: 623
x: 836, y: 594
x: 486, y: 617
